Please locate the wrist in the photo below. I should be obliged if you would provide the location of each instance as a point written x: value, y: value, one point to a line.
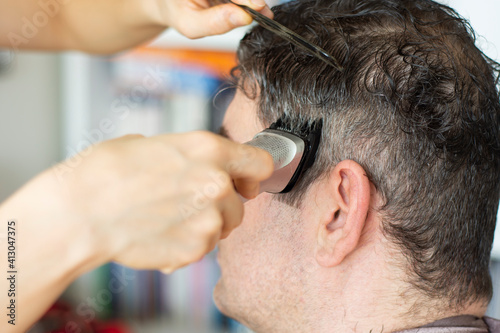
x: 49, y: 233
x: 51, y: 248
x: 152, y: 13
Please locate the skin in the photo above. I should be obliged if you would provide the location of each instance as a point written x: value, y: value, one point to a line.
x: 322, y: 267
x: 104, y: 27
x: 148, y: 203
x: 154, y: 203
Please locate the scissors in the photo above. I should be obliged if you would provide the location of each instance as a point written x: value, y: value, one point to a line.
x: 290, y: 36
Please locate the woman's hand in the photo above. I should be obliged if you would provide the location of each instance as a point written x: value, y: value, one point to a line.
x: 104, y: 27
x: 157, y: 203
x: 198, y: 18
x: 163, y: 202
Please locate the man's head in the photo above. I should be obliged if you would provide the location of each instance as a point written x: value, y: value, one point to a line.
x: 399, y: 208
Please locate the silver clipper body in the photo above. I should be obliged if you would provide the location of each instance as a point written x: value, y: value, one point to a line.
x: 287, y: 151
x: 293, y: 152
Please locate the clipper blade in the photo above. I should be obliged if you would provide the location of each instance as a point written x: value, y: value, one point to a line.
x: 293, y: 151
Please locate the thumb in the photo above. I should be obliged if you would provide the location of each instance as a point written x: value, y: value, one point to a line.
x: 218, y: 20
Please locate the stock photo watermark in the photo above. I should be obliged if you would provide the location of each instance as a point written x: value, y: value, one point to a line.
x: 11, y: 247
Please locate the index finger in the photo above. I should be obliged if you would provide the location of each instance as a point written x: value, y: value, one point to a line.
x: 222, y: 16
x: 246, y: 165
x: 241, y: 162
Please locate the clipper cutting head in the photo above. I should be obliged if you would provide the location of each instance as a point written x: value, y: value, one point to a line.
x: 293, y: 152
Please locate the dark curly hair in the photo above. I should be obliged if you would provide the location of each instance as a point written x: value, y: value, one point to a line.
x: 417, y: 106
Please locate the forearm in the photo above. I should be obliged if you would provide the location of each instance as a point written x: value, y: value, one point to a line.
x: 96, y: 26
x: 51, y: 250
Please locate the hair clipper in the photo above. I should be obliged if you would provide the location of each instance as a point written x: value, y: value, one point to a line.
x: 293, y: 152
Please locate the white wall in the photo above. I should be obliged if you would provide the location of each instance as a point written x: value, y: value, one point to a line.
x: 29, y: 123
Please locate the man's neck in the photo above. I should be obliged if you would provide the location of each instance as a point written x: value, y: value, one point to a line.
x: 373, y: 297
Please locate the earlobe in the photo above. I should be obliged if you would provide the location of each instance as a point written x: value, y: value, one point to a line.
x: 347, y: 190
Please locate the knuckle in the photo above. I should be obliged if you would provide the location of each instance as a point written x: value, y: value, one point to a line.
x: 216, y: 184
x: 185, y: 27
x: 185, y: 257
x: 210, y: 226
x: 224, y: 192
x: 202, y: 136
x: 174, y: 157
x: 167, y: 152
x: 197, y: 252
x: 210, y: 142
x: 208, y: 245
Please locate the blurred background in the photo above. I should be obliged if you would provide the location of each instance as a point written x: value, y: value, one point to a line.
x: 54, y: 105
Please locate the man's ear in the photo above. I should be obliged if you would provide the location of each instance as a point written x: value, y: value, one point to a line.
x: 346, y: 202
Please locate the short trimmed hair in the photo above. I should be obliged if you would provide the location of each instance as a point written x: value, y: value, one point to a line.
x: 417, y: 106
